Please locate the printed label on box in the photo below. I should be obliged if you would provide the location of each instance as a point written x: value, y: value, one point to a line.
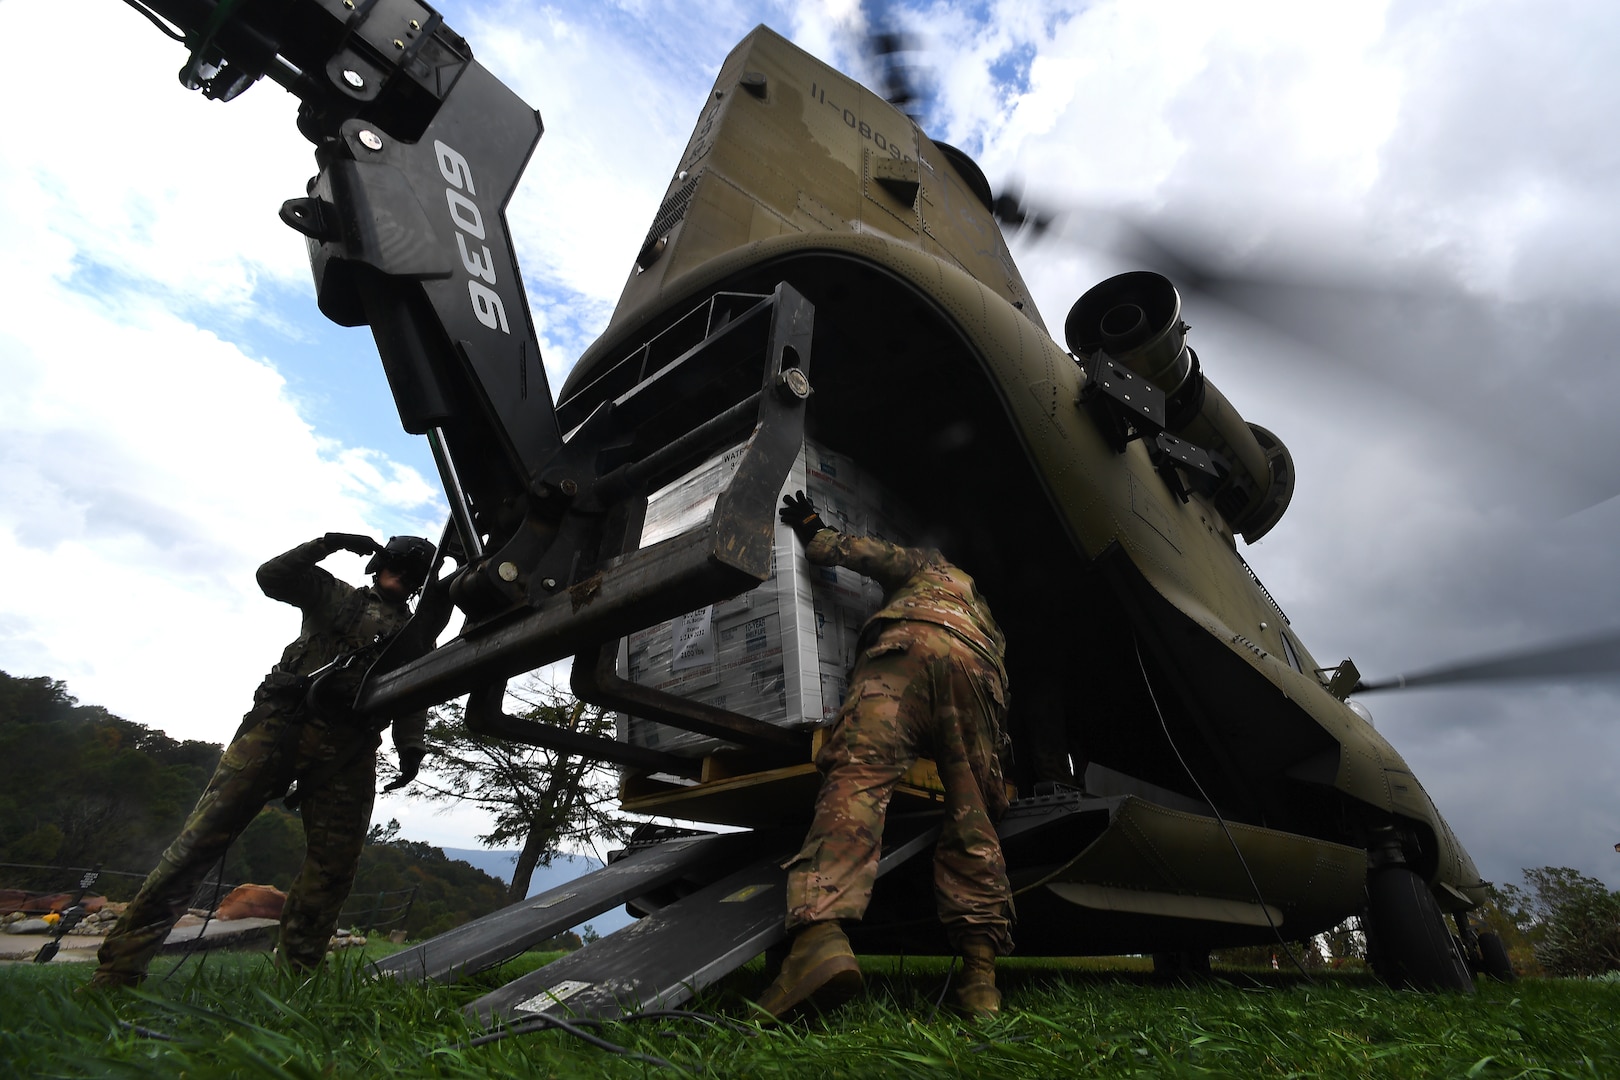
x: 693, y: 643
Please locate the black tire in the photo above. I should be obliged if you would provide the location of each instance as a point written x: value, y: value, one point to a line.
x: 1493, y: 958
x: 1408, y: 941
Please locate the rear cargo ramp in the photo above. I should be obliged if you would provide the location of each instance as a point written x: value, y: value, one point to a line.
x: 495, y: 938
x: 666, y: 957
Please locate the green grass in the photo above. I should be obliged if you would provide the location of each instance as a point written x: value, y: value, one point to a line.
x: 236, y: 1016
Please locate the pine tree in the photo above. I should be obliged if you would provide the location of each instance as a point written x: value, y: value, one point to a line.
x: 540, y: 799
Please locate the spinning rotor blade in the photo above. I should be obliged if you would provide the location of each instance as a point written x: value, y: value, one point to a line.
x: 1010, y: 210
x: 898, y: 62
x: 1514, y: 372
x: 1599, y: 655
x: 1287, y: 286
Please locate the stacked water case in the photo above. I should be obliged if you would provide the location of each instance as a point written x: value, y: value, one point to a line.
x: 781, y: 653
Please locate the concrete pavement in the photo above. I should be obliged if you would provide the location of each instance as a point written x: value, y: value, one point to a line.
x: 188, y: 935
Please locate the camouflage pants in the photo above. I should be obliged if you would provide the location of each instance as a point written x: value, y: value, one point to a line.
x: 916, y: 690
x: 276, y: 743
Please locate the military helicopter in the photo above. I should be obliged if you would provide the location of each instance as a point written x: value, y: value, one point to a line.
x: 822, y: 278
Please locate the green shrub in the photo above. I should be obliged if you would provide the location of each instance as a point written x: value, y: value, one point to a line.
x: 1571, y: 920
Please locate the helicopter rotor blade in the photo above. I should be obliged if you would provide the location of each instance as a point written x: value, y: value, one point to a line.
x: 897, y: 60
x: 1596, y: 655
x: 1403, y: 323
x: 1012, y: 213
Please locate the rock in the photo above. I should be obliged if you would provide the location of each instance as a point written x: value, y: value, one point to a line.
x: 252, y: 902
x: 99, y: 923
x: 29, y: 926
x: 59, y: 902
x: 19, y: 900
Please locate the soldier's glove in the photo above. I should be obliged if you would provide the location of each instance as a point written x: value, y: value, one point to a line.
x: 410, y: 763
x: 799, y: 514
x: 358, y: 543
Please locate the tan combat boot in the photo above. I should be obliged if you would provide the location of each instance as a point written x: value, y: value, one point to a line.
x: 976, y: 995
x: 820, y: 965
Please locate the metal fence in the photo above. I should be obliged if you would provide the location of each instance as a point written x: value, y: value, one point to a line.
x: 381, y: 911
x: 35, y: 880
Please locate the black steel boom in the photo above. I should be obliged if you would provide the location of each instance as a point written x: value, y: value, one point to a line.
x: 419, y: 149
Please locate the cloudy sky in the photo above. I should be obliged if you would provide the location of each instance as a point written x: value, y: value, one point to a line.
x: 1411, y: 204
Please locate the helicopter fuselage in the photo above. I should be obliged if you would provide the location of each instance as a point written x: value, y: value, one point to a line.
x: 1146, y: 658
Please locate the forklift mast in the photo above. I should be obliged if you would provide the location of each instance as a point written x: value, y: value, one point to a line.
x: 418, y: 149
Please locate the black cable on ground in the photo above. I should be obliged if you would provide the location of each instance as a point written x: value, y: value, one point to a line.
x: 687, y: 1014
x: 543, y: 1022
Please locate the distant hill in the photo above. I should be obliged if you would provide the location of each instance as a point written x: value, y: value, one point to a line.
x: 563, y: 868
x: 80, y: 786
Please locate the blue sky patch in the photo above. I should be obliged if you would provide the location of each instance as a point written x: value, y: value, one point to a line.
x: 1011, y: 69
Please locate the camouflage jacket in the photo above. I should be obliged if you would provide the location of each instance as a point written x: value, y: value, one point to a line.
x: 918, y: 585
x: 338, y: 619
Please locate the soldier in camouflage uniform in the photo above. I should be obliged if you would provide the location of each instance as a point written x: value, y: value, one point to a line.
x: 931, y: 680
x: 329, y: 752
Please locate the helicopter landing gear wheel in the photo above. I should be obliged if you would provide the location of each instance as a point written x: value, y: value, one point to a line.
x: 1493, y: 958
x: 1182, y: 967
x: 1408, y: 942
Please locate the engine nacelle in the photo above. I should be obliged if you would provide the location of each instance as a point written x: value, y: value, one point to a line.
x: 1135, y: 319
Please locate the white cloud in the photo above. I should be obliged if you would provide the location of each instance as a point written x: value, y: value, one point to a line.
x: 142, y: 178
x: 617, y: 116
x: 149, y: 468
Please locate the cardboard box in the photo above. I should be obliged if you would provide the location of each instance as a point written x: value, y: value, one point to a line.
x: 781, y: 653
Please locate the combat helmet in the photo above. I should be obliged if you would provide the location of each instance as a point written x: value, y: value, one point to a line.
x: 411, y: 557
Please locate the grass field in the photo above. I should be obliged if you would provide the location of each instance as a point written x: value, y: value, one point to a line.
x: 236, y: 1016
